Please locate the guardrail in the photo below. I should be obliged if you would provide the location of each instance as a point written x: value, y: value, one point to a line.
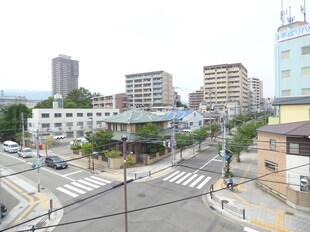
x: 240, y: 212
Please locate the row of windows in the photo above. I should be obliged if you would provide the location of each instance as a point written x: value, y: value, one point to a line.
x: 68, y: 124
x: 287, y: 53
x: 287, y: 92
x: 292, y: 148
x: 70, y: 115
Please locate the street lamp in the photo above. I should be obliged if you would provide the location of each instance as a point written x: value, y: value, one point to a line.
x: 124, y: 139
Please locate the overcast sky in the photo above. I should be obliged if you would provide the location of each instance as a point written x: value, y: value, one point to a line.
x: 113, y: 38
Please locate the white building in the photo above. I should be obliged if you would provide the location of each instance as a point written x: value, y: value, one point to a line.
x: 71, y: 123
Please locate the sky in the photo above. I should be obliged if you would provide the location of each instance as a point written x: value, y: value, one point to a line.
x: 113, y: 38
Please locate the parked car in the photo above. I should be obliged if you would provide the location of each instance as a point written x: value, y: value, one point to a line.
x: 55, y: 162
x: 25, y: 152
x: 3, y: 210
x: 10, y: 146
x: 78, y: 141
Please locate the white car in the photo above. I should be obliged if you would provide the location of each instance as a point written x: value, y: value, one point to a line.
x: 78, y: 141
x: 25, y: 152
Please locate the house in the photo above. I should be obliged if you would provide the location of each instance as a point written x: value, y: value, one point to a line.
x: 283, y: 161
x: 128, y: 124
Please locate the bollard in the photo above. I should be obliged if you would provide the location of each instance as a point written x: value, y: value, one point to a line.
x: 51, y: 204
x: 149, y: 173
x: 243, y: 214
x: 135, y: 176
x: 33, y: 229
x: 49, y: 214
x: 222, y: 203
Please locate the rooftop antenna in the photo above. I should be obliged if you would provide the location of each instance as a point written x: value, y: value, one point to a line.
x: 283, y: 13
x: 303, y: 10
x: 290, y: 19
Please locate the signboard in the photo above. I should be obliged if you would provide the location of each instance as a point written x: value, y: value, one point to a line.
x: 293, y: 33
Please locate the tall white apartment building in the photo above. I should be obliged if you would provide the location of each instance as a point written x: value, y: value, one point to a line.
x: 149, y: 89
x: 255, y: 94
x: 226, y: 83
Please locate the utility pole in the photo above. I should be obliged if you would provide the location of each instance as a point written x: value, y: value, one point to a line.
x: 223, y: 151
x: 173, y: 143
x: 38, y: 159
x: 209, y: 91
x: 23, y: 129
x: 124, y: 139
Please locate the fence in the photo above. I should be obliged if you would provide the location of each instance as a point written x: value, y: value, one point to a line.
x: 240, y: 212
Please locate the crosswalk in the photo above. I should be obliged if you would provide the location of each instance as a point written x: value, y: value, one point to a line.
x: 82, y: 186
x: 192, y: 180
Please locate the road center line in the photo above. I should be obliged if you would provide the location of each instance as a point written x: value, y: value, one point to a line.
x: 72, y: 173
x: 204, y: 165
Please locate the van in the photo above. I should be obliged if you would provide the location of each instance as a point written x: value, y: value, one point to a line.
x: 10, y: 146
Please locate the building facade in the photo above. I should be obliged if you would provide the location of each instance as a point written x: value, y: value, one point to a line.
x: 255, y: 98
x: 195, y: 99
x: 71, y: 123
x: 115, y: 101
x: 225, y: 83
x: 65, y: 75
x: 145, y: 90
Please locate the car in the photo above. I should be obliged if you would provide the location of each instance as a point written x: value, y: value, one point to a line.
x: 78, y: 141
x: 25, y: 152
x: 59, y: 137
x: 10, y: 146
x: 3, y: 210
x: 55, y: 162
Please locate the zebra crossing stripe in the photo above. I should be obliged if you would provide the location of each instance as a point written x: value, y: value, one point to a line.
x: 103, y: 180
x: 95, y: 181
x: 89, y: 184
x: 82, y: 186
x: 196, y: 181
x: 177, y: 177
x: 173, y: 174
x: 67, y: 192
x: 203, y: 182
x: 183, y: 178
x: 74, y: 189
x: 190, y: 179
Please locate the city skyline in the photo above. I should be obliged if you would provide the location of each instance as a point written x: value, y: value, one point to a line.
x: 112, y: 42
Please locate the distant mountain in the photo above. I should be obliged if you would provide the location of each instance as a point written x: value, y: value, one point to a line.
x: 29, y: 94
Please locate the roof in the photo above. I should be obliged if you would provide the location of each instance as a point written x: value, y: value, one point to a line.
x: 291, y: 101
x: 135, y: 116
x: 178, y: 114
x: 298, y: 129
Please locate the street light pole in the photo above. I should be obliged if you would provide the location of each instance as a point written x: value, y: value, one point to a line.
x: 124, y: 139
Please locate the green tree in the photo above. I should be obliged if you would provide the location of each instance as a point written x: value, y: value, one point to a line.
x: 10, y: 122
x: 215, y: 129
x: 183, y: 140
x: 200, y: 135
x: 81, y: 97
x: 100, y: 140
x: 113, y: 153
x: 150, y: 131
x: 45, y: 104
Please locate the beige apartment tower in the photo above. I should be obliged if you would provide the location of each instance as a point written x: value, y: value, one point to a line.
x: 149, y: 89
x: 225, y: 84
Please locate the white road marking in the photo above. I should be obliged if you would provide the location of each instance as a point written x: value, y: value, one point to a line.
x: 72, y: 173
x: 218, y: 160
x: 204, y: 165
x: 196, y: 181
x: 173, y: 174
x: 89, y: 184
x: 74, y: 189
x: 67, y: 192
x: 204, y: 182
x: 249, y: 229
x: 190, y: 179
x: 97, y: 178
x: 82, y: 186
x: 183, y: 178
x: 177, y: 177
x: 94, y: 181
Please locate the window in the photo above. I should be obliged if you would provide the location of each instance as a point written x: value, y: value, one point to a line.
x: 89, y: 123
x: 69, y: 115
x: 79, y: 114
x: 114, y: 113
x: 45, y: 115
x: 57, y: 124
x: 271, y: 165
x: 285, y: 54
x: 286, y: 73
x: 57, y: 115
x: 305, y: 183
x: 45, y: 125
x: 305, y: 71
x: 69, y: 124
x: 107, y: 114
x: 305, y: 50
x: 305, y: 91
x: 272, y: 144
x: 98, y: 114
x: 286, y: 93
x: 79, y: 123
x: 123, y: 127
x: 89, y: 114
x: 191, y: 123
x: 293, y: 148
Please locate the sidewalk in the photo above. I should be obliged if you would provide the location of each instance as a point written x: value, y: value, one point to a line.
x: 261, y: 208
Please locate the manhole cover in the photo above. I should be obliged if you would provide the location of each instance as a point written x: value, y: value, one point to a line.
x: 141, y: 195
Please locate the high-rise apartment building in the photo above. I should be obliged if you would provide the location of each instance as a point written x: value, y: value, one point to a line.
x: 145, y: 90
x: 255, y: 98
x: 65, y: 74
x: 115, y: 101
x: 226, y: 83
x: 195, y: 98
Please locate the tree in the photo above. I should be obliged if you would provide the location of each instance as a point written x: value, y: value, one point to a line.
x: 215, y: 129
x: 45, y: 104
x: 81, y: 97
x: 183, y: 140
x: 150, y: 131
x: 10, y: 122
x: 200, y: 135
x: 100, y: 139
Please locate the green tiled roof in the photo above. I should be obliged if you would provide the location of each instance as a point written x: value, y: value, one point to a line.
x: 135, y: 116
